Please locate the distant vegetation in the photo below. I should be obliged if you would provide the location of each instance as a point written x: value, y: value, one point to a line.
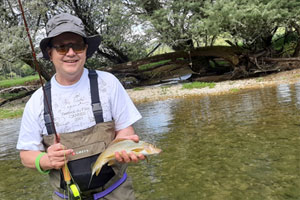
x: 152, y: 65
x: 198, y: 85
x: 138, y: 89
x: 17, y: 81
x: 132, y: 29
x: 14, y: 111
x: 10, y: 113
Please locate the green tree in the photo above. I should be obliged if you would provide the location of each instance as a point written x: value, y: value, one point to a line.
x: 253, y: 23
x: 115, y: 24
x: 170, y: 21
x: 127, y: 27
x: 110, y: 19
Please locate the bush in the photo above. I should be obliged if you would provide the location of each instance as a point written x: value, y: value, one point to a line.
x: 26, y: 70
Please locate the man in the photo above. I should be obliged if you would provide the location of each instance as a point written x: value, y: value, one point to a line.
x: 89, y: 109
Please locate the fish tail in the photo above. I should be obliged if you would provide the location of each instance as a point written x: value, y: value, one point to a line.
x: 147, y: 159
x: 90, y: 181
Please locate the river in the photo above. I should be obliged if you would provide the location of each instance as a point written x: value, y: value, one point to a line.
x: 243, y: 145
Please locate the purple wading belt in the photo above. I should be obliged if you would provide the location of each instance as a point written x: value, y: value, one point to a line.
x: 103, y: 193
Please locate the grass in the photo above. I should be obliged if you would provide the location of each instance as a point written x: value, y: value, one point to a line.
x: 151, y: 65
x: 234, y: 90
x: 260, y: 79
x: 17, y: 81
x: 6, y: 113
x: 137, y: 89
x: 198, y: 85
x: 9, y: 112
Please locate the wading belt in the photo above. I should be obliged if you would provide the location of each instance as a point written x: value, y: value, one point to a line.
x: 96, y: 105
x: 104, y: 192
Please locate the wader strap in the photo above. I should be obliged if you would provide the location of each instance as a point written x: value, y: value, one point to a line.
x: 111, y: 188
x: 47, y: 117
x: 103, y: 193
x: 96, y: 105
x: 61, y: 195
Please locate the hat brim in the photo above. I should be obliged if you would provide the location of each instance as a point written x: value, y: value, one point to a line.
x: 93, y: 43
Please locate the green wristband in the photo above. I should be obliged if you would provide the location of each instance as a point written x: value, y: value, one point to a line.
x: 37, y: 164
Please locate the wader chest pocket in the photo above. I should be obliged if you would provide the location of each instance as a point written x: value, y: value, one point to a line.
x: 81, y: 171
x: 80, y: 166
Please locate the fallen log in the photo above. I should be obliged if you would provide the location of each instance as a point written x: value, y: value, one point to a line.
x: 17, y: 89
x: 231, y: 54
x: 22, y: 95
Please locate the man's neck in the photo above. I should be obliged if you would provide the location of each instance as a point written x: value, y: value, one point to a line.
x: 67, y: 79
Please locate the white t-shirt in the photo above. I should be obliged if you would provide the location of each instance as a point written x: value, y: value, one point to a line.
x: 72, y: 109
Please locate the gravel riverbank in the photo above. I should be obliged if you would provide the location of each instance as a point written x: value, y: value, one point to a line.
x: 155, y: 93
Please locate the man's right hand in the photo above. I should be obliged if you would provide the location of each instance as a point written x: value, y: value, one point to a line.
x: 57, y: 156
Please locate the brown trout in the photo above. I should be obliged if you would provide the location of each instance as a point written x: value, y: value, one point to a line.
x: 108, y: 156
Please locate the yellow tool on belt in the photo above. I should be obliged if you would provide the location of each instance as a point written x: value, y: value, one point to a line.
x: 73, y: 189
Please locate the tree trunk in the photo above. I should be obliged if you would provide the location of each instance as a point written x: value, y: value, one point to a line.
x: 297, y: 49
x: 46, y: 74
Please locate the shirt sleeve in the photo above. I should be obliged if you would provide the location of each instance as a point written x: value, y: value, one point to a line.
x: 30, y: 135
x: 124, y: 111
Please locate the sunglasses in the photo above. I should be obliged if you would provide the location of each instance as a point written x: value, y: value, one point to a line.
x: 64, y: 48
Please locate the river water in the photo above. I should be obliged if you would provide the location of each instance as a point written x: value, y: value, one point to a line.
x: 244, y: 145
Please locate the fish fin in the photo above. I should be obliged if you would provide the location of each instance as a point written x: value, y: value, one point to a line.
x: 92, y: 165
x: 111, y: 162
x: 90, y: 180
x: 98, y: 171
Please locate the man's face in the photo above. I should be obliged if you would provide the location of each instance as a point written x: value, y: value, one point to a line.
x: 68, y: 54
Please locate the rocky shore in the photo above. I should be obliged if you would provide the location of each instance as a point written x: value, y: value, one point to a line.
x: 155, y: 93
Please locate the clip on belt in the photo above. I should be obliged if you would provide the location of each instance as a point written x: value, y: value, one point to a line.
x: 103, y: 193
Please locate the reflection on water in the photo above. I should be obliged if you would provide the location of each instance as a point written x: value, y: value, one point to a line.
x: 158, y: 119
x: 284, y: 93
x: 9, y: 136
x: 297, y: 91
x: 240, y: 146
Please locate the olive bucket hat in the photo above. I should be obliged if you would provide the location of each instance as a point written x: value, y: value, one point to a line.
x: 68, y: 23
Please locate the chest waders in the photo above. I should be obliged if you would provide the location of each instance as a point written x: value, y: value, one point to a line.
x: 112, y: 183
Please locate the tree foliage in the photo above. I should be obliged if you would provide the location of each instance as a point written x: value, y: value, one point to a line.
x: 115, y: 25
x: 253, y: 23
x: 170, y: 21
x: 127, y: 27
x: 110, y: 19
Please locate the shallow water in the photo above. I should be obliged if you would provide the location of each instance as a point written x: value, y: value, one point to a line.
x: 239, y: 146
x: 244, y: 145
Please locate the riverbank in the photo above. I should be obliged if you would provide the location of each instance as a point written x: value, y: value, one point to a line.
x: 156, y: 93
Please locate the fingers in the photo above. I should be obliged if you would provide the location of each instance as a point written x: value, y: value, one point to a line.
x: 141, y: 157
x: 124, y: 157
x: 57, y: 154
x: 134, y: 137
